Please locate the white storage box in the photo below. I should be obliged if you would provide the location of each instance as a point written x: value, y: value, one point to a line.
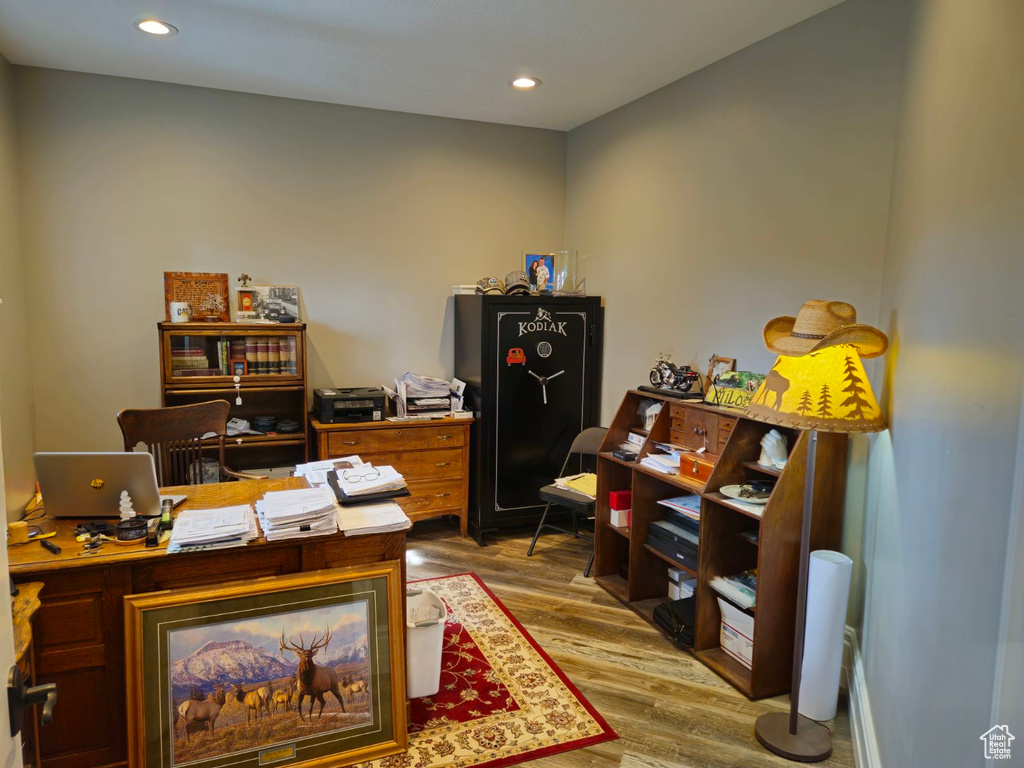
x: 424, y: 635
x: 680, y: 584
x: 737, y: 636
x: 620, y: 518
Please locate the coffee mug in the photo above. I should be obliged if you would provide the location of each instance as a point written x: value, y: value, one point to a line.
x: 181, y: 312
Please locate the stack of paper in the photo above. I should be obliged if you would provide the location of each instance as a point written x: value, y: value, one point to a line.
x: 688, y: 505
x: 297, y: 514
x: 199, y: 529
x: 362, y: 519
x: 423, y: 396
x: 666, y: 463
x: 741, y: 588
x: 316, y: 471
x: 367, y: 479
x: 584, y: 484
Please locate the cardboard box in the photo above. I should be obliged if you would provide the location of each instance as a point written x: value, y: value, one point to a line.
x: 621, y: 518
x: 620, y: 500
x: 737, y: 635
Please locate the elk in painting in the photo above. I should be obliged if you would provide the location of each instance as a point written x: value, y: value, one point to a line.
x: 315, y: 681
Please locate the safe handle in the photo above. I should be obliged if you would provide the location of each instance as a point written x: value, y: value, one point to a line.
x: 20, y: 698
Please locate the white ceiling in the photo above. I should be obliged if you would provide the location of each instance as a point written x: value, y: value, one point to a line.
x: 438, y: 57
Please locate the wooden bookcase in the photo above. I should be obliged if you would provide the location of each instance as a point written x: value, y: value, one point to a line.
x: 279, y: 390
x: 723, y: 551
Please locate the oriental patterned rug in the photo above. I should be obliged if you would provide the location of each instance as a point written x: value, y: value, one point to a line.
x: 502, y: 699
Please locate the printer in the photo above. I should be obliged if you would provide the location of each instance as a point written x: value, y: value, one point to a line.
x: 349, y: 405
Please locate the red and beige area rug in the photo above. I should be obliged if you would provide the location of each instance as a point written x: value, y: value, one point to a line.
x: 502, y: 699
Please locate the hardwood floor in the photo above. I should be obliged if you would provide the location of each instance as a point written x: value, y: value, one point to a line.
x: 667, y: 707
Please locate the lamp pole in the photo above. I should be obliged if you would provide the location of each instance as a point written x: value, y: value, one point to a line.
x: 796, y: 737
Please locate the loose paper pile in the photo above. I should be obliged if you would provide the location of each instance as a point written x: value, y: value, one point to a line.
x: 584, y: 484
x: 316, y: 471
x: 665, y: 463
x: 363, y: 519
x: 688, y: 505
x: 200, y: 529
x: 367, y: 479
x: 297, y: 514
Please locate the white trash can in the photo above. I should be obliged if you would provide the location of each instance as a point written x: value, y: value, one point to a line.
x: 424, y: 635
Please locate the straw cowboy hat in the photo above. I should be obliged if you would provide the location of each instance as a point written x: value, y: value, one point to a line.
x: 821, y: 324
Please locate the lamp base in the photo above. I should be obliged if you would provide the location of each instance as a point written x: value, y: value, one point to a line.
x: 812, y: 742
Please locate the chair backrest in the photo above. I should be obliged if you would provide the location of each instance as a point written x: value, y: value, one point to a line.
x: 588, y: 442
x: 174, y: 437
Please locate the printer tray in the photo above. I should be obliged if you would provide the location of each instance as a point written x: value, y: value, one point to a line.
x: 348, y: 501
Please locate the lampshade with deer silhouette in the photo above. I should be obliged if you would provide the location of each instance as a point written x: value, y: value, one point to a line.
x: 825, y: 390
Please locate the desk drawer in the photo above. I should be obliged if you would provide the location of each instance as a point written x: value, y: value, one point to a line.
x: 430, y: 495
x: 420, y: 465
x: 399, y: 439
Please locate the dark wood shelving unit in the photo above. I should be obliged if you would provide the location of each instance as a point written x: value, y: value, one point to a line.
x: 281, y: 394
x: 732, y: 446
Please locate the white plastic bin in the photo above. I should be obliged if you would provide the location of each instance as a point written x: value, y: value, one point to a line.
x: 424, y: 635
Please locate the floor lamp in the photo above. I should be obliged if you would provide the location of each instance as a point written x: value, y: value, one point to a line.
x: 822, y: 391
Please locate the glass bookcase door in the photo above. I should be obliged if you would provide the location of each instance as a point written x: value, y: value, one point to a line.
x: 195, y: 357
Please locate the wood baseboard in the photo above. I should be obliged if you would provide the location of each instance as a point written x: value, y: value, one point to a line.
x: 862, y: 726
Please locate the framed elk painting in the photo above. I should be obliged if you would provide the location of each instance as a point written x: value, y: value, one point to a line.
x: 287, y: 670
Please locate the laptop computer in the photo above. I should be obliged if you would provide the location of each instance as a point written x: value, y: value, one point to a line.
x: 90, y: 484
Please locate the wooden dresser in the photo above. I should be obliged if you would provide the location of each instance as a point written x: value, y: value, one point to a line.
x: 432, y: 455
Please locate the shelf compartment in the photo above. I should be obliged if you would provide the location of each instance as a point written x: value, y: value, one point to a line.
x: 621, y: 531
x: 725, y: 501
x: 726, y: 666
x: 669, y: 560
x: 760, y: 468
x: 616, y: 585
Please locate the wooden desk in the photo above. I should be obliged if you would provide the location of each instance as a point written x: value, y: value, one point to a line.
x: 79, y: 629
x: 433, y: 456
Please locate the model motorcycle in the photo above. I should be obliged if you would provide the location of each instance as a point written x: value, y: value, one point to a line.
x: 667, y: 375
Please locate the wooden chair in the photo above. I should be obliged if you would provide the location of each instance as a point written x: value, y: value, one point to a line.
x: 587, y: 443
x: 174, y: 437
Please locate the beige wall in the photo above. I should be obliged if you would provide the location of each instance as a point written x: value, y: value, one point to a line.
x: 737, y: 193
x: 373, y: 214
x: 16, y: 403
x: 942, y: 497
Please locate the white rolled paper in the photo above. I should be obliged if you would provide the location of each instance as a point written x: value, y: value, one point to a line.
x: 828, y: 591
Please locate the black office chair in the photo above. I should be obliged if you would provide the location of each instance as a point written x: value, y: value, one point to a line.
x: 587, y: 443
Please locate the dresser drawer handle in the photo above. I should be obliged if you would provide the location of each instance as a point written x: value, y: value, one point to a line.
x: 444, y: 437
x: 441, y: 463
x: 350, y: 442
x: 696, y: 467
x: 442, y: 495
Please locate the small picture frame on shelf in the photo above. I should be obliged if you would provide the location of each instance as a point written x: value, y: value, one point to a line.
x: 239, y: 368
x: 540, y: 271
x: 266, y: 302
x: 716, y: 367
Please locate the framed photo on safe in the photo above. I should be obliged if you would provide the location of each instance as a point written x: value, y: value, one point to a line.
x: 307, y: 669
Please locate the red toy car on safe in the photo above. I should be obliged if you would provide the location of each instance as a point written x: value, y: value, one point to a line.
x: 516, y: 356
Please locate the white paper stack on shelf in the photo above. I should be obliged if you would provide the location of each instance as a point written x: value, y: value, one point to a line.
x: 367, y: 479
x: 665, y: 463
x: 297, y: 514
x: 316, y: 471
x: 423, y: 396
x: 199, y: 529
x: 363, y: 519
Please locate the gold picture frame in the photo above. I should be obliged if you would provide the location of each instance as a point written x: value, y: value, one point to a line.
x: 269, y: 637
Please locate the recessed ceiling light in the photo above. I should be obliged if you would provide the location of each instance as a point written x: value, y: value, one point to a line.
x: 156, y: 27
x: 525, y: 83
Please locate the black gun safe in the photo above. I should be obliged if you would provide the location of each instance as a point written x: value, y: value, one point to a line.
x: 532, y: 367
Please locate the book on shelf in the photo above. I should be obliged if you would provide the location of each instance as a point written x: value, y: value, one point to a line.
x: 262, y: 355
x: 274, y: 354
